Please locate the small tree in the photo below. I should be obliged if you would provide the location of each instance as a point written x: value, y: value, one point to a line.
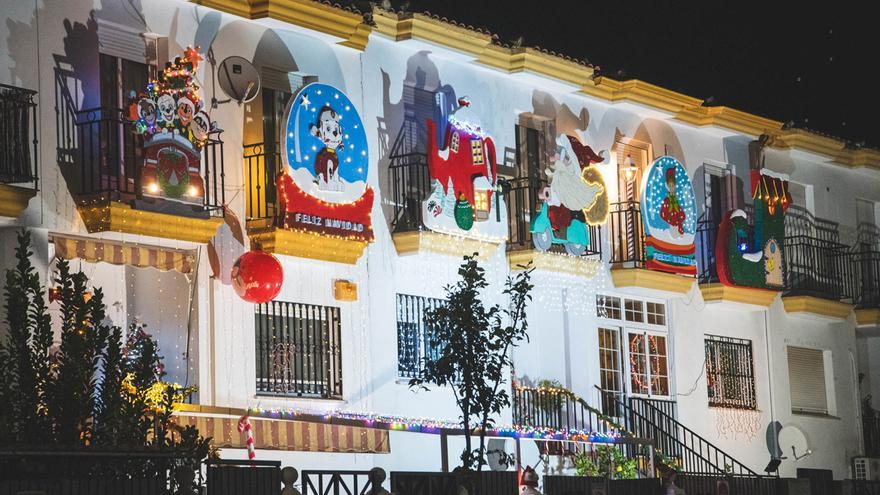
x: 473, y: 344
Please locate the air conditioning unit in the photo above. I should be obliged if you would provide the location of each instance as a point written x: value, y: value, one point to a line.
x: 866, y: 468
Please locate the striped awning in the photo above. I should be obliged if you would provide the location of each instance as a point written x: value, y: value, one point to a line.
x: 123, y: 253
x: 290, y: 435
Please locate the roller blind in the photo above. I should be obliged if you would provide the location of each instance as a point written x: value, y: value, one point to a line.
x: 806, y: 374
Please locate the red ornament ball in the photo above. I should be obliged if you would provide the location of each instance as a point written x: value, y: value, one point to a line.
x: 257, y: 277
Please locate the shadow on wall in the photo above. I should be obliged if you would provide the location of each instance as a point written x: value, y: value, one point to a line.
x: 402, y: 126
x: 565, y: 120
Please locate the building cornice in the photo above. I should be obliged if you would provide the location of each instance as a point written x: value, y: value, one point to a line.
x: 743, y: 295
x: 355, y: 32
x: 817, y: 306
x: 435, y: 242
x: 304, y: 244
x: 651, y: 279
x: 317, y: 16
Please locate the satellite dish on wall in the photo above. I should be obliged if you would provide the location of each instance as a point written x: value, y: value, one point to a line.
x: 792, y: 440
x: 497, y: 456
x: 239, y: 79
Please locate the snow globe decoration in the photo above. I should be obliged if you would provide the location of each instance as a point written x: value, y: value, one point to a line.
x: 323, y: 189
x: 669, y: 214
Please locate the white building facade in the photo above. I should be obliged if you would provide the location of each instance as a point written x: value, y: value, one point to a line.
x: 623, y: 315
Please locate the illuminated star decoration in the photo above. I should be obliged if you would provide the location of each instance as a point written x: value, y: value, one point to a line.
x: 305, y: 101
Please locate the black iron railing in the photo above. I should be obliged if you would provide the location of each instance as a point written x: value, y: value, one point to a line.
x: 816, y: 267
x: 101, y: 156
x: 558, y: 409
x: 299, y: 350
x: 707, y: 238
x: 262, y: 165
x: 730, y: 373
x: 627, y: 235
x: 315, y: 482
x: 410, y: 187
x: 414, y: 337
x: 524, y: 205
x: 864, y: 282
x: 242, y: 477
x: 18, y: 136
x: 655, y: 420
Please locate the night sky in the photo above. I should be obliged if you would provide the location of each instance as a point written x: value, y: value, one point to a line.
x: 809, y: 67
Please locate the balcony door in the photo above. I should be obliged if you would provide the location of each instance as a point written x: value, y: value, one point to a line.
x: 718, y: 198
x: 633, y: 157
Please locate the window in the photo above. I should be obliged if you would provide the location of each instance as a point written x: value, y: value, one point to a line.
x: 610, y: 373
x: 413, y: 336
x: 656, y: 313
x: 648, y: 368
x: 298, y: 350
x: 806, y: 375
x: 453, y: 142
x: 608, y: 307
x: 730, y: 373
x: 119, y: 79
x: 477, y: 151
x: 633, y: 310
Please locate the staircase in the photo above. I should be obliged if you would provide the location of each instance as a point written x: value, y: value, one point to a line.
x: 696, y: 455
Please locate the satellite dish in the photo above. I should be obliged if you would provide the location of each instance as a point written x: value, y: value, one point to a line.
x: 793, y: 441
x: 239, y: 79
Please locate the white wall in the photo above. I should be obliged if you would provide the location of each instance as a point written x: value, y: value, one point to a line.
x: 563, y: 342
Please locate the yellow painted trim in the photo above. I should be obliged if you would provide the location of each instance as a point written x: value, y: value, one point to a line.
x: 405, y: 26
x: 651, y: 279
x: 816, y: 306
x: 868, y: 316
x: 434, y: 242
x: 14, y: 199
x: 308, y: 245
x: 744, y: 295
x: 113, y: 216
x: 552, y: 262
x: 309, y: 14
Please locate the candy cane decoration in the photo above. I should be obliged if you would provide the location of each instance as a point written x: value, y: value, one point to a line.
x: 244, y: 425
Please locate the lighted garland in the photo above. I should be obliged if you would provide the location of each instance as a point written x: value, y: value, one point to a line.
x: 436, y: 426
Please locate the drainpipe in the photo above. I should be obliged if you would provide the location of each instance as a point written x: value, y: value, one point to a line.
x: 775, y: 443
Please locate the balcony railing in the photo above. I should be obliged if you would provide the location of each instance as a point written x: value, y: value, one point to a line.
x: 816, y: 267
x: 627, y: 235
x: 864, y: 282
x: 707, y: 239
x: 262, y: 165
x: 298, y: 348
x: 524, y: 205
x: 102, y: 157
x: 18, y: 136
x: 557, y: 409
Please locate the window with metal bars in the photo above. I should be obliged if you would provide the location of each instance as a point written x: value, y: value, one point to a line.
x: 414, y: 345
x: 298, y: 350
x: 730, y: 373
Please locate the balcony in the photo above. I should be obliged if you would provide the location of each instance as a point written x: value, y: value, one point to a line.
x: 115, y: 182
x: 18, y: 149
x: 713, y: 291
x: 628, y: 255
x: 264, y: 215
x: 524, y: 209
x: 864, y: 286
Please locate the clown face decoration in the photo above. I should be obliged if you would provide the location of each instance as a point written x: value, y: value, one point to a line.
x: 201, y: 126
x: 329, y: 131
x: 166, y: 109
x: 185, y: 111
x: 147, y: 111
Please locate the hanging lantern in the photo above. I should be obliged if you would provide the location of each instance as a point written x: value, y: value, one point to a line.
x: 257, y: 277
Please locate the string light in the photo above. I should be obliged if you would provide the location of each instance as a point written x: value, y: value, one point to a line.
x: 434, y: 425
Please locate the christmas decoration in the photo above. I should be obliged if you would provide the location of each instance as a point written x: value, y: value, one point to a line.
x: 324, y: 189
x: 528, y: 482
x: 170, y: 116
x: 572, y: 200
x: 669, y: 218
x: 465, y: 192
x: 434, y: 425
x: 749, y: 256
x: 257, y: 277
x: 464, y: 213
x: 244, y: 426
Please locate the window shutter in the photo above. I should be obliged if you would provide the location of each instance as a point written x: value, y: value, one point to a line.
x: 806, y: 374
